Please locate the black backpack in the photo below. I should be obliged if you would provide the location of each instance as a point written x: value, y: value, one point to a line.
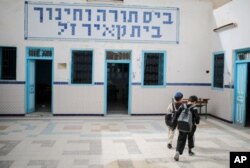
x: 169, y: 117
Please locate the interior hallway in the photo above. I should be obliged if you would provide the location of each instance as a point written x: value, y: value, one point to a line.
x: 112, y: 142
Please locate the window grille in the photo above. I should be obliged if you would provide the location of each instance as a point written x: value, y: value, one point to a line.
x: 153, y: 69
x: 218, y: 80
x: 8, y: 63
x: 243, y: 56
x: 82, y: 67
x: 40, y: 52
x: 120, y: 55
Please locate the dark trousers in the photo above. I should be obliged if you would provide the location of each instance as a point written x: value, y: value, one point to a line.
x: 183, y: 136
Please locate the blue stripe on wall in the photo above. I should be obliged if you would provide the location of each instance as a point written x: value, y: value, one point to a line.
x: 60, y: 83
x: 228, y: 86
x: 136, y: 83
x: 66, y: 83
x: 99, y: 83
x: 12, y: 82
x: 189, y: 84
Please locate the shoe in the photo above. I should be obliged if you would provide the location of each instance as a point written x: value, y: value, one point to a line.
x: 169, y: 146
x: 176, y: 156
x: 191, y: 153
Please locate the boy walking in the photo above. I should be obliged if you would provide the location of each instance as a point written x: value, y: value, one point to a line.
x: 172, y: 108
x: 183, y: 136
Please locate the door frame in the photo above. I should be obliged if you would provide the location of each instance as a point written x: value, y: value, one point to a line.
x: 28, y: 58
x: 236, y: 63
x: 106, y: 78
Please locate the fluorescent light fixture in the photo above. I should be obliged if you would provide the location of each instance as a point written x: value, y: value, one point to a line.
x: 225, y: 27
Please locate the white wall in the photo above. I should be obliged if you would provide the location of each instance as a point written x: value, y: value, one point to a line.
x: 237, y: 12
x: 70, y: 99
x: 12, y: 99
x: 187, y: 62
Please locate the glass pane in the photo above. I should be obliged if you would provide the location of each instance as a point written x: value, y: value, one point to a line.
x: 40, y: 52
x: 119, y: 55
x: 243, y: 56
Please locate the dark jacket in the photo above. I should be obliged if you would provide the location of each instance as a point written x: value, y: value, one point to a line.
x: 195, y: 115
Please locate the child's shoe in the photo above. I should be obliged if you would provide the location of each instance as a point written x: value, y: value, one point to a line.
x: 176, y: 156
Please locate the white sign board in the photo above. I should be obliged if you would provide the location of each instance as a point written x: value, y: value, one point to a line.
x: 101, y: 22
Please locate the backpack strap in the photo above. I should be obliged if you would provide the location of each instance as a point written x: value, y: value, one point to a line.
x: 191, y: 107
x: 184, y: 106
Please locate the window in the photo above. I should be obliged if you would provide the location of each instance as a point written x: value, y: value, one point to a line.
x: 243, y: 55
x: 153, y: 73
x: 8, y: 63
x: 40, y: 52
x: 82, y: 67
x: 218, y: 80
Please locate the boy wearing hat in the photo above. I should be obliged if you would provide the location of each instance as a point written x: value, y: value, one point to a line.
x: 183, y: 136
x: 178, y: 102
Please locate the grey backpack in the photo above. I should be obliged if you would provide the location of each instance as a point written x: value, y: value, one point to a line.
x: 184, y: 121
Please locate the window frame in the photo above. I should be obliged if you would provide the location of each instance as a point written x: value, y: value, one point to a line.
x: 71, y: 68
x: 15, y: 66
x: 213, y: 74
x: 164, y: 67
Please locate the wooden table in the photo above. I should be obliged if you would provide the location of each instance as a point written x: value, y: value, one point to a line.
x: 202, y: 102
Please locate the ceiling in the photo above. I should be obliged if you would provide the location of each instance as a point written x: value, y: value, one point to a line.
x: 218, y: 3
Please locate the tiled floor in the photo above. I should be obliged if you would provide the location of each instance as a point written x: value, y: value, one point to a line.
x: 112, y: 142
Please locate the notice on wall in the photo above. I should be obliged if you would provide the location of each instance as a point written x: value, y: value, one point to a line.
x: 49, y: 21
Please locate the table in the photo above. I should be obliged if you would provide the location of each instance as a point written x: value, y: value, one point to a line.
x: 202, y: 102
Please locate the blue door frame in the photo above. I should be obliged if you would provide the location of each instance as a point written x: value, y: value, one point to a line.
x: 240, y: 87
x: 106, y: 80
x: 30, y: 80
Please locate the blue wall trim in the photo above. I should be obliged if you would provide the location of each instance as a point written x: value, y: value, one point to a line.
x: 12, y: 82
x: 99, y: 83
x: 229, y: 87
x: 189, y: 84
x: 60, y: 83
x: 136, y: 83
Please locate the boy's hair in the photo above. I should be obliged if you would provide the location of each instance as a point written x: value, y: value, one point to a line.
x: 178, y: 96
x: 193, y: 98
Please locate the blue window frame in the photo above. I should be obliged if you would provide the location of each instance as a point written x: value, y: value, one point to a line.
x: 8, y: 63
x: 218, y: 67
x: 81, y: 68
x: 153, y: 73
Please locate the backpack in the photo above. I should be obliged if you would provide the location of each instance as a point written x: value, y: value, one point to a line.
x: 170, y: 115
x: 169, y: 119
x: 184, y: 121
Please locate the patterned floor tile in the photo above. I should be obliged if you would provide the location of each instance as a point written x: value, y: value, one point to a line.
x: 113, y: 142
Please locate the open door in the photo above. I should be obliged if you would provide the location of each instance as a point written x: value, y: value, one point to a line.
x: 241, y: 90
x: 117, y: 88
x: 31, y: 86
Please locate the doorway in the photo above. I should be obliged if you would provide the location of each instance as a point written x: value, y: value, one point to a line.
x: 39, y: 86
x: 43, y: 80
x: 241, y: 115
x: 117, y: 88
x: 248, y: 97
x: 39, y: 74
